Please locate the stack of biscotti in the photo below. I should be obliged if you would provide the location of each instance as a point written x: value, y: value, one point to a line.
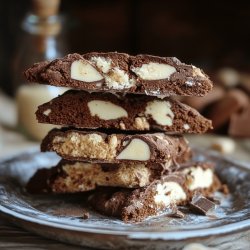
x: 122, y: 132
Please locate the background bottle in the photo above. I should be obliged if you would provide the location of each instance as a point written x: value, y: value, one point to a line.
x: 42, y: 39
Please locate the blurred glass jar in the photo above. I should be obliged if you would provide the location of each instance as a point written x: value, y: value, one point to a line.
x: 42, y: 39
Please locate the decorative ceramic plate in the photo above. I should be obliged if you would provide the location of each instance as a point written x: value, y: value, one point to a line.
x: 60, y: 216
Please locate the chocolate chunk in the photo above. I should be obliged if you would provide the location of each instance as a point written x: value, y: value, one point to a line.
x: 200, y: 104
x: 118, y: 72
x: 93, y: 146
x: 85, y: 215
x: 239, y: 123
x: 131, y: 112
x: 175, y: 212
x: 201, y: 204
x: 220, y: 112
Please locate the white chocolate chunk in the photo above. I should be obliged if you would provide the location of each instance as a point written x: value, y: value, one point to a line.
x: 168, y: 193
x: 103, y: 64
x: 106, y: 110
x: 161, y: 112
x: 141, y: 123
x: 197, y: 72
x: 186, y: 126
x: 154, y: 71
x: 47, y: 112
x: 136, y: 150
x: 198, y: 177
x: 189, y: 83
x: 83, y: 71
x: 118, y: 79
x: 122, y: 125
x: 223, y: 145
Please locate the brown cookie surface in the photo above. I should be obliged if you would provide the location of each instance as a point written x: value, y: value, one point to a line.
x: 119, y: 72
x: 81, y: 109
x: 97, y: 147
x: 173, y: 189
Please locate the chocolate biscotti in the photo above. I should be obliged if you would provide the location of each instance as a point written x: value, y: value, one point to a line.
x: 94, y: 146
x: 121, y: 139
x: 119, y: 72
x: 177, y: 188
x: 81, y: 109
x: 75, y: 177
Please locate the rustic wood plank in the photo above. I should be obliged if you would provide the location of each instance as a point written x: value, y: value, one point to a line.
x: 13, y: 237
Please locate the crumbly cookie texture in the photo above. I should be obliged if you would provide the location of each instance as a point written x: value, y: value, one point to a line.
x: 120, y: 72
x: 176, y: 188
x: 131, y: 112
x: 74, y: 177
x: 93, y: 146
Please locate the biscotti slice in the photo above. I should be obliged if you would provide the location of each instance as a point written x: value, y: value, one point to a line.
x: 74, y: 177
x: 119, y: 72
x: 176, y: 188
x: 94, y: 146
x: 81, y: 109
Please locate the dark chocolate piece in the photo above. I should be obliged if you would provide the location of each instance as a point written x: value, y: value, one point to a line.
x: 132, y: 112
x: 239, y: 123
x: 201, y: 204
x: 220, y: 112
x: 176, y: 213
x: 93, y: 146
x: 118, y: 72
x: 200, y: 104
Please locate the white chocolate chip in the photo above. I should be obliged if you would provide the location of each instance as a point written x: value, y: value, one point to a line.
x: 103, y: 64
x: 106, y: 110
x: 137, y: 150
x: 115, y: 78
x: 223, y: 145
x: 141, y: 123
x: 154, y: 71
x: 47, y: 112
x: 186, y: 126
x: 168, y: 193
x: 189, y: 83
x: 82, y: 70
x: 122, y: 125
x: 198, y: 177
x: 197, y: 72
x: 118, y: 79
x: 161, y: 112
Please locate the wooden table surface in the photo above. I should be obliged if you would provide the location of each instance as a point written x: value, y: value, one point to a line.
x: 12, y: 237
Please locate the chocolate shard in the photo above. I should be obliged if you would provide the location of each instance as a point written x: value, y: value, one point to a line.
x: 120, y: 72
x: 201, y: 204
x: 175, y: 212
x: 81, y: 109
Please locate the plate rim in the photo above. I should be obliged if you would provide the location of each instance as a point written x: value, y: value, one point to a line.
x: 165, y: 236
x: 219, y: 230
